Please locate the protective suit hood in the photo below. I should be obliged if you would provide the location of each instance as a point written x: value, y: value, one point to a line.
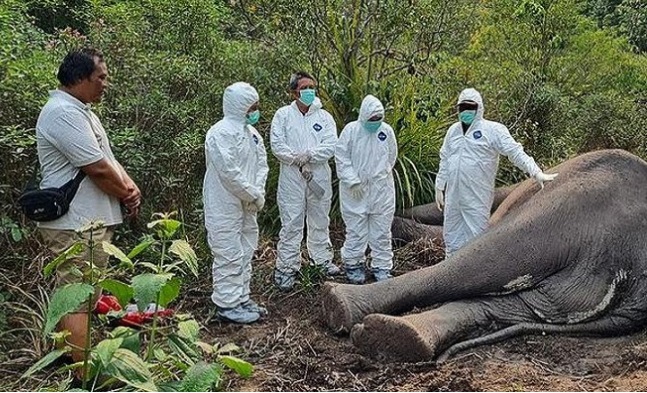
x: 237, y: 99
x: 370, y: 107
x: 473, y: 95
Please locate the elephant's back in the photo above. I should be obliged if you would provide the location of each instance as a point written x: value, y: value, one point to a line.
x: 613, y: 182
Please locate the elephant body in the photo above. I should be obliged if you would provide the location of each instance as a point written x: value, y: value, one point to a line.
x: 569, y: 258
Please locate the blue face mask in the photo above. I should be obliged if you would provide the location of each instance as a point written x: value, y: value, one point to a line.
x: 252, y: 117
x: 372, y: 126
x: 307, y: 96
x: 467, y: 117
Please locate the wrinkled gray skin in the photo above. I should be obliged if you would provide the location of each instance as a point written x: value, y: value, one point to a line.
x: 571, y: 258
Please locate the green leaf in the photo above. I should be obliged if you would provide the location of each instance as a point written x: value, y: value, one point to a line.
x: 153, y: 267
x: 228, y: 348
x: 170, y: 291
x: 188, y: 329
x: 16, y: 234
x: 159, y: 354
x: 167, y: 226
x: 113, y: 250
x: 183, y: 249
x: 107, y: 348
x: 65, y: 300
x: 201, y: 377
x: 130, y: 336
x: 241, y: 367
x: 129, y: 368
x: 140, y: 247
x: 71, y: 252
x: 147, y: 286
x: 122, y: 291
x: 185, y: 350
x: 45, y: 361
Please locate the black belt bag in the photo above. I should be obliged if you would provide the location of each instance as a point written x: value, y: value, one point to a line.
x: 49, y: 204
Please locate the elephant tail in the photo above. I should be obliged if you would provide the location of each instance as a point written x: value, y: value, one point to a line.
x: 602, y: 327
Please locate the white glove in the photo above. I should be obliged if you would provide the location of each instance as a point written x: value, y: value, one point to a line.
x: 306, y: 172
x: 250, y: 207
x: 440, y: 199
x: 356, y: 191
x: 259, y: 203
x: 541, y: 177
x: 301, y: 159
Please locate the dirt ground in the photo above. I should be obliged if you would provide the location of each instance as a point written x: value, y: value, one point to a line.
x: 293, y: 351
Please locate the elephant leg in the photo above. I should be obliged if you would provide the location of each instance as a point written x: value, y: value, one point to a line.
x: 501, y: 261
x: 406, y: 231
x: 423, y: 336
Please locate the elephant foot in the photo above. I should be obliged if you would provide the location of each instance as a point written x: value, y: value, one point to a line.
x: 393, y: 338
x: 336, y: 309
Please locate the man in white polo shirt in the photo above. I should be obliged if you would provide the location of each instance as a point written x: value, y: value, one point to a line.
x: 70, y: 138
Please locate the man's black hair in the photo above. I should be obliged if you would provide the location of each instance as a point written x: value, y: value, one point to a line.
x: 296, y: 77
x: 78, y: 65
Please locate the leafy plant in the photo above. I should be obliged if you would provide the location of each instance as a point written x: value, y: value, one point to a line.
x: 311, y: 276
x: 167, y: 354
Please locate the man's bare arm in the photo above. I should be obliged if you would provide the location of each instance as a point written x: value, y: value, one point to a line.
x: 107, y: 178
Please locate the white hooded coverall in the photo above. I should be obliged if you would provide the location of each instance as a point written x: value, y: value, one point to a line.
x: 367, y: 158
x: 294, y: 133
x: 468, y: 166
x: 235, y: 177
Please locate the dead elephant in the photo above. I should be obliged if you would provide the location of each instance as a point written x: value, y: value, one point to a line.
x: 571, y: 258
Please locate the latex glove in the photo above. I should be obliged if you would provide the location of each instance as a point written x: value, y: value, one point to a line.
x: 250, y: 207
x: 440, y: 199
x: 301, y: 159
x: 542, y: 177
x: 356, y: 191
x: 259, y: 203
x: 306, y: 172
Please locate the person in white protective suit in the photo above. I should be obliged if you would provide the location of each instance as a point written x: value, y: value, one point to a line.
x: 469, y: 158
x: 365, y: 156
x: 233, y: 193
x: 303, y: 138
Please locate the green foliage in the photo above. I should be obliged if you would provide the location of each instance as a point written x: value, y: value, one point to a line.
x: 633, y: 23
x: 45, y: 361
x: 106, y: 349
x: 169, y: 358
x: 201, y: 377
x: 147, y: 286
x: 122, y: 291
x: 241, y: 367
x: 628, y: 16
x: 310, y: 277
x: 183, y: 250
x: 70, y: 253
x: 127, y: 367
x: 65, y: 300
x: 3, y: 313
